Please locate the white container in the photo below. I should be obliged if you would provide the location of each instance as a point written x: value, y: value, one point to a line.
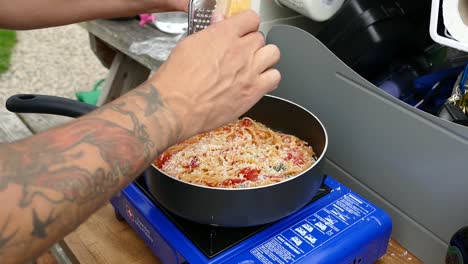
x: 171, y: 22
x: 444, y: 39
x: 318, y: 10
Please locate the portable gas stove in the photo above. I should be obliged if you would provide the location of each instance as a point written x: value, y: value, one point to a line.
x: 337, y: 226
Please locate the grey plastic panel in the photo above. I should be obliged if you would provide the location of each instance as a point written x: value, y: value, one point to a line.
x: 411, y: 234
x: 396, y: 155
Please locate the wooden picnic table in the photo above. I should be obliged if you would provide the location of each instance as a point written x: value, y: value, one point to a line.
x: 111, y: 40
x: 102, y: 238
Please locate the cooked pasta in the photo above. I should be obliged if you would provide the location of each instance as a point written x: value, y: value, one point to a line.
x: 239, y: 155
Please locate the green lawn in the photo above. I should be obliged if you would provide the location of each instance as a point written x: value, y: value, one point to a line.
x: 7, y: 42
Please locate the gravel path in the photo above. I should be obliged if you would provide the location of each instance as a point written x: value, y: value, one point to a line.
x: 53, y: 61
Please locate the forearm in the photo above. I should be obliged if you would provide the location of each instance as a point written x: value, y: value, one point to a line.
x: 28, y: 14
x: 51, y: 182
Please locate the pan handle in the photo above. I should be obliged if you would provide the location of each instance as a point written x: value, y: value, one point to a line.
x: 45, y: 104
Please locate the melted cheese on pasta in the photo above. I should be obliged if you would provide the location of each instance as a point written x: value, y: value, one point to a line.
x: 242, y: 154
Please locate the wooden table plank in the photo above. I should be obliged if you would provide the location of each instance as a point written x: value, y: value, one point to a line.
x: 12, y: 128
x: 397, y: 254
x: 102, y: 239
x: 125, y: 74
x: 120, y: 34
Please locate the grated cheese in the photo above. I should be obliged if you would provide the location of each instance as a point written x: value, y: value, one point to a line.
x: 222, y: 154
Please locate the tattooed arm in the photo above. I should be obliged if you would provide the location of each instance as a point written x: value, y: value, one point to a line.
x: 53, y: 181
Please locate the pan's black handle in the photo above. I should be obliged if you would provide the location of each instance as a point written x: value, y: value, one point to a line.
x: 45, y: 104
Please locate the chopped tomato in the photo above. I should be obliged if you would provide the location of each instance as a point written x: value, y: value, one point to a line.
x: 246, y: 122
x: 296, y: 157
x: 299, y: 161
x: 209, y: 184
x: 230, y: 182
x: 275, y: 178
x: 162, y: 159
x: 250, y: 174
x: 194, y: 163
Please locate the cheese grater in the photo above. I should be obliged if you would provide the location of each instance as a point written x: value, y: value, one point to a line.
x: 200, y: 12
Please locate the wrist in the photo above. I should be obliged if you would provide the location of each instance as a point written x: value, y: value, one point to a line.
x: 179, y: 108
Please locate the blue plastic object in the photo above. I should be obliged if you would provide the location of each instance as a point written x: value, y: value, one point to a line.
x: 341, y: 227
x: 463, y: 80
x: 391, y: 88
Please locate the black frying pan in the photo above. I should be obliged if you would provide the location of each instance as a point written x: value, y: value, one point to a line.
x: 217, y: 206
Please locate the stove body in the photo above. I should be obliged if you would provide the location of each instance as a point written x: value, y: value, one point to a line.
x: 338, y: 226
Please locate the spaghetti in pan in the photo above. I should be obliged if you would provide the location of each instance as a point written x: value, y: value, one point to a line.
x: 242, y: 154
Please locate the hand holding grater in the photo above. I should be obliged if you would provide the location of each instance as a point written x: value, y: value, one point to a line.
x: 200, y: 12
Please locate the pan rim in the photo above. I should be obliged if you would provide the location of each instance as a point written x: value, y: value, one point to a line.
x: 270, y: 185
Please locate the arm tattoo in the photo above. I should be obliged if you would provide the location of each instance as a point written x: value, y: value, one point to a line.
x: 39, y: 226
x: 139, y: 130
x: 153, y: 100
x: 5, y: 237
x: 53, y: 167
x: 118, y: 147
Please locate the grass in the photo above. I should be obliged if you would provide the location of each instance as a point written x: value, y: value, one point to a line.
x: 7, y: 42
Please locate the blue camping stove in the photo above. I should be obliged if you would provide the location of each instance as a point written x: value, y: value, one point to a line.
x: 337, y: 226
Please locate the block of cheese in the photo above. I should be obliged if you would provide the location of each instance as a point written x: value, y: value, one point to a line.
x: 232, y: 7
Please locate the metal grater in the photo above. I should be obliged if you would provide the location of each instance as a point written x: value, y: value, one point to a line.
x: 200, y: 12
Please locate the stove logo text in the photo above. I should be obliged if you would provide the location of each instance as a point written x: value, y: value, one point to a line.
x: 139, y: 224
